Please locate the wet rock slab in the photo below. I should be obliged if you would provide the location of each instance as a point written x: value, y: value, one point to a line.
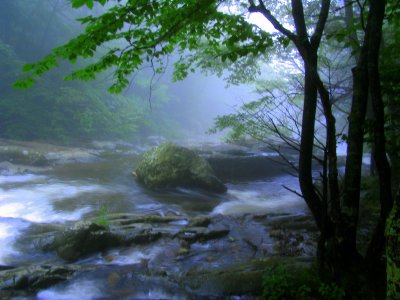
x: 33, y: 278
x: 198, y: 257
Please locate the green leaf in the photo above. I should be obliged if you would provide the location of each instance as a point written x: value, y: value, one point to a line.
x: 78, y: 3
x: 28, y: 67
x: 23, y: 83
x: 89, y: 4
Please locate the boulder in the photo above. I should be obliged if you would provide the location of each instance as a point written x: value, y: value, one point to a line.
x: 81, y: 240
x: 87, y: 238
x: 169, y: 165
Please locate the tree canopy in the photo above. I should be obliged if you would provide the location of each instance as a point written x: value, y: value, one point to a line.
x: 137, y: 32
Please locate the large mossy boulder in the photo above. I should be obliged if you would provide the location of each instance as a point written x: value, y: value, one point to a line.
x: 169, y: 165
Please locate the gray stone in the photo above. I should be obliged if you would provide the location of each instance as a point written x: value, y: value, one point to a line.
x: 169, y: 165
x: 33, y: 278
x: 86, y: 238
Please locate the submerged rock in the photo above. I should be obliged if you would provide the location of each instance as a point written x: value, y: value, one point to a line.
x: 34, y: 278
x: 86, y: 238
x: 169, y: 165
x: 82, y: 239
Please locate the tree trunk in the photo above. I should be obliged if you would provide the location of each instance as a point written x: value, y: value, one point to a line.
x: 375, y: 22
x: 346, y: 226
x: 307, y: 144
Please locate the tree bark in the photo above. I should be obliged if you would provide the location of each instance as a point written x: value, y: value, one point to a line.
x: 308, y: 49
x: 307, y: 143
x: 375, y: 21
x: 346, y: 254
x: 347, y: 225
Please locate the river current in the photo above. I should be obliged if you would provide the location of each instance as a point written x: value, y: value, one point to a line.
x: 77, y: 191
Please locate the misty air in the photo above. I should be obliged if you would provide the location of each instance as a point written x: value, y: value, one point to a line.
x: 207, y: 149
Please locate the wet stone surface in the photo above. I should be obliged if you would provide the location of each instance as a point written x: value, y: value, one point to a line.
x: 84, y: 229
x: 191, y: 256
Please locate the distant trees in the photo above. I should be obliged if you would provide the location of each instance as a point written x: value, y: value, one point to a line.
x: 60, y: 111
x: 146, y: 31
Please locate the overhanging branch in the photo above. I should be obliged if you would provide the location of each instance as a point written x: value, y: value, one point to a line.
x: 261, y: 8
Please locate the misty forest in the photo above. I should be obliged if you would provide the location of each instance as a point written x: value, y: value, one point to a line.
x: 199, y: 149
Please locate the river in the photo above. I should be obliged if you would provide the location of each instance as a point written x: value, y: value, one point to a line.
x: 75, y: 191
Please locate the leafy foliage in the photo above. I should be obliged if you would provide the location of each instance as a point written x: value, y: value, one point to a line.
x: 390, y: 70
x: 271, y: 115
x: 283, y: 281
x: 145, y: 31
x: 62, y: 111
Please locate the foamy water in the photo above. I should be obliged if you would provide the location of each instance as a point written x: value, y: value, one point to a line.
x: 82, y: 290
x: 20, y: 178
x: 132, y: 256
x: 32, y: 201
x: 263, y: 197
x: 156, y: 293
x: 9, y: 230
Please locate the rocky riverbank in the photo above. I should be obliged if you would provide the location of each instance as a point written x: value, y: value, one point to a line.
x: 84, y: 227
x: 230, y: 162
x: 205, y: 255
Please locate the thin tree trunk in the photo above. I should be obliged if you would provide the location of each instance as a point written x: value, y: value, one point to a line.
x: 307, y: 145
x: 334, y: 194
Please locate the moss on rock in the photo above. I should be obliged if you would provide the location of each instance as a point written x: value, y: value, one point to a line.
x: 169, y: 165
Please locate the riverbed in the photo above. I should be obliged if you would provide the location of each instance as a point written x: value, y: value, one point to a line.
x: 34, y: 203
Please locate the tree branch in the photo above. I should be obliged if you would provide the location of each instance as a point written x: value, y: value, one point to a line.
x: 261, y: 8
x: 323, y: 16
x: 299, y: 20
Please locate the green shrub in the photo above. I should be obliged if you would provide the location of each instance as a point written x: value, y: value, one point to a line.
x: 277, y: 284
x: 330, y: 291
x: 286, y: 281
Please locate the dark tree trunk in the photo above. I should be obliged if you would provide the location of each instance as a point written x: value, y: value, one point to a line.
x: 338, y: 225
x: 307, y: 144
x: 308, y: 49
x: 347, y: 230
x: 375, y: 22
x: 347, y: 224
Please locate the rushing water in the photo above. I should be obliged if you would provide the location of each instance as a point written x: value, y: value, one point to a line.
x: 73, y: 192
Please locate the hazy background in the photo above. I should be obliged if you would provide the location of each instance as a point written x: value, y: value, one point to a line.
x: 74, y: 111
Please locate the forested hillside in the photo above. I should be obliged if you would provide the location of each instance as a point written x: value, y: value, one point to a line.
x: 70, y: 111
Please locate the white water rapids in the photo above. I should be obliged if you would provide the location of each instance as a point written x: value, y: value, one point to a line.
x: 79, y: 191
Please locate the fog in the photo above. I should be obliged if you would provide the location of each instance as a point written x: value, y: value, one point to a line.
x: 199, y: 99
x: 152, y: 105
x: 85, y: 110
